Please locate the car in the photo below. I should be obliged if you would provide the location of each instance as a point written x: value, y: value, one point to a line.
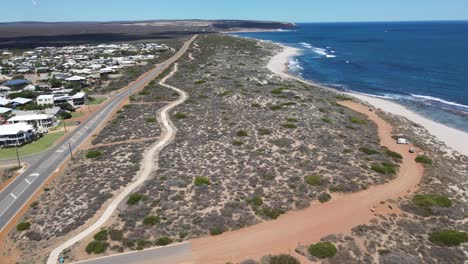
x: 411, y: 150
x: 77, y: 123
x: 402, y: 141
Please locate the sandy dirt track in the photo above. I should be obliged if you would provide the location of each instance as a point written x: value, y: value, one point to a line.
x: 339, y: 215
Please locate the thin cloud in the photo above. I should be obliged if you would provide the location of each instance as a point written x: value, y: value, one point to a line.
x: 34, y: 2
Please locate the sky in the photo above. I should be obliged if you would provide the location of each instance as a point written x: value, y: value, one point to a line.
x: 273, y: 10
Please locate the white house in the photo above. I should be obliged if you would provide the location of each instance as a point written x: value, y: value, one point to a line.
x: 16, y: 134
x: 45, y: 99
x: 39, y: 120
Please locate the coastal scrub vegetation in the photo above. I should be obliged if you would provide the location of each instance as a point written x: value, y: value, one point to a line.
x: 393, y: 154
x: 96, y: 247
x: 322, y: 250
x: 324, y: 197
x: 216, y: 231
x: 23, y: 226
x: 163, y: 241
x: 264, y: 131
x: 357, y: 120
x: 180, y: 115
x: 448, y: 238
x: 384, y: 168
x: 242, y: 133
x: 369, y: 151
x: 135, y: 198
x: 427, y: 200
x: 201, y: 180
x: 280, y: 259
x: 289, y: 125
x: 101, y: 235
x: 151, y: 220
x: 93, y: 154
x: 314, y: 180
x: 271, y: 213
x: 423, y: 159
x: 343, y: 98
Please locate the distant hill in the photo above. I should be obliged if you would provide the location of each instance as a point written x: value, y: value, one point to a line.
x: 32, y: 34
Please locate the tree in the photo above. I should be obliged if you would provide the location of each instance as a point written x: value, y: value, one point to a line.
x: 54, y: 82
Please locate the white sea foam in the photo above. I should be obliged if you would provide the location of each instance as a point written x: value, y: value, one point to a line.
x: 307, y: 45
x: 431, y: 98
x: 330, y: 56
x: 320, y: 51
x: 294, y: 65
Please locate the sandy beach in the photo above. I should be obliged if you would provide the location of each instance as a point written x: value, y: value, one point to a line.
x: 453, y: 138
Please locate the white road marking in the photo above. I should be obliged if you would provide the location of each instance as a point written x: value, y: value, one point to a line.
x: 27, y: 181
x: 86, y: 127
x: 12, y: 195
x: 72, y: 139
x: 34, y: 174
x: 60, y: 151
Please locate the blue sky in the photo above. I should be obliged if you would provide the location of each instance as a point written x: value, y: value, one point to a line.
x: 278, y: 10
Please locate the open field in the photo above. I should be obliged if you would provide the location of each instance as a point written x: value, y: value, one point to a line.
x: 42, y: 144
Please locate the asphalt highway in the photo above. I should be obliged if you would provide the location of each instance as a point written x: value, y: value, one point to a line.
x: 19, y: 191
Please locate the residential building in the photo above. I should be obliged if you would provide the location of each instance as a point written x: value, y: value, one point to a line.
x: 16, y: 134
x: 41, y: 121
x: 45, y: 99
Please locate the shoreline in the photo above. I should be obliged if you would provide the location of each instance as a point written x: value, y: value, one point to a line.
x: 453, y: 138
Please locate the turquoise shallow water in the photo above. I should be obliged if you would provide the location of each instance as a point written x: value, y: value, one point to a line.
x: 422, y: 65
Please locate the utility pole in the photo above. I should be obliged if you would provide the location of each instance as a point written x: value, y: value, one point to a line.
x: 64, y: 125
x: 70, y: 148
x: 17, y: 156
x: 89, y: 109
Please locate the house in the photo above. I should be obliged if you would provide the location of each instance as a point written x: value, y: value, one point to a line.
x: 16, y: 84
x: 16, y: 134
x: 5, y: 113
x: 4, y: 101
x: 20, y: 101
x: 39, y: 120
x: 79, y: 99
x: 45, y: 99
x: 75, y: 79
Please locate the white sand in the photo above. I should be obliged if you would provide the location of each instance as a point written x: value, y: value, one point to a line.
x: 455, y: 139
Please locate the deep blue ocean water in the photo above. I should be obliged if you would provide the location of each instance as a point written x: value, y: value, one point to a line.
x: 423, y: 65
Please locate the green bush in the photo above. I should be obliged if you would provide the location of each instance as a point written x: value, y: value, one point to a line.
x: 96, y: 247
x: 180, y: 115
x: 237, y: 143
x: 135, y: 198
x: 357, y: 120
x: 324, y: 197
x: 385, y: 168
x: 423, y: 159
x: 151, y: 220
x: 201, y: 180
x: 272, y: 213
x: 343, y: 98
x: 23, y: 226
x: 200, y: 82
x: 322, y: 250
x: 283, y: 259
x: 256, y: 201
x: 449, y: 238
x: 326, y: 120
x: 275, y: 107
x: 101, y: 235
x: 368, y: 151
x: 143, y: 92
x: 291, y: 119
x: 242, y: 133
x: 393, y: 154
x: 163, y: 241
x: 264, y: 131
x: 93, y: 154
x: 427, y: 200
x: 216, y: 231
x: 277, y: 91
x: 115, y: 234
x: 151, y: 120
x: 314, y: 180
x: 289, y: 125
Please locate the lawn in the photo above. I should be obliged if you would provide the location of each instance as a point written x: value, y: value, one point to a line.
x: 97, y: 101
x: 77, y: 114
x: 42, y: 144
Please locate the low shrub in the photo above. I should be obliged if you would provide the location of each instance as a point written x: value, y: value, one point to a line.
x: 115, y: 234
x: 272, y: 213
x: 357, y: 120
x: 393, y: 154
x: 23, y: 226
x: 256, y: 201
x: 242, y: 133
x: 101, y: 235
x: 264, y: 131
x: 277, y: 91
x: 322, y: 250
x: 385, y: 168
x: 291, y: 119
x: 134, y: 198
x: 143, y: 92
x: 216, y: 231
x: 314, y: 180
x: 448, y: 238
x: 163, y: 241
x: 326, y: 120
x: 93, y: 154
x: 275, y: 107
x: 283, y: 259
x: 324, y: 197
x: 96, y: 247
x: 180, y: 115
x: 427, y: 200
x: 151, y: 220
x: 201, y: 180
x: 237, y: 143
x: 200, y: 82
x: 343, y: 98
x: 368, y: 151
x: 289, y: 125
x: 423, y: 159
x: 151, y: 120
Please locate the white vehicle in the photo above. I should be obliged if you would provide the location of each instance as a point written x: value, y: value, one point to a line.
x: 402, y: 141
x: 411, y: 150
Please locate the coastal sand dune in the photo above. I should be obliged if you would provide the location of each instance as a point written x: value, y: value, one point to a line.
x: 340, y: 215
x: 453, y: 138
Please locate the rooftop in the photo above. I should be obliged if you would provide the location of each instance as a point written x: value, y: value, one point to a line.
x: 13, y: 129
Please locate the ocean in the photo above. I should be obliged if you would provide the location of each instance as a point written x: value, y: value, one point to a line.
x: 422, y: 65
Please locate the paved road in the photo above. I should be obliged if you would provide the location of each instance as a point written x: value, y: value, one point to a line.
x: 18, y: 192
x: 178, y: 253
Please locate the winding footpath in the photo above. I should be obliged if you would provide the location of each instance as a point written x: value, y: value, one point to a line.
x: 148, y: 165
